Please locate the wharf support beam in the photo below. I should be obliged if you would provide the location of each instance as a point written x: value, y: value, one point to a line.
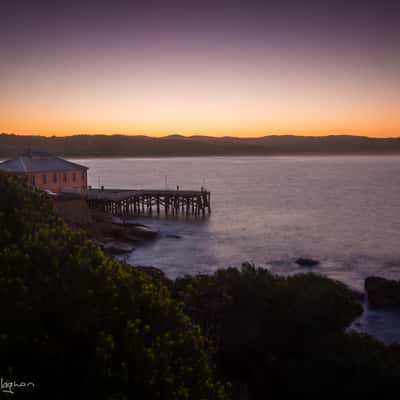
x: 150, y: 202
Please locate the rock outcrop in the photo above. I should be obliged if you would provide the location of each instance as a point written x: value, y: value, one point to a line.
x: 382, y: 292
x: 306, y: 262
x: 117, y: 247
x: 73, y: 210
x: 114, y: 236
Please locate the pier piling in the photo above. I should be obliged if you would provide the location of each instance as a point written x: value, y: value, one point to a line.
x: 123, y: 202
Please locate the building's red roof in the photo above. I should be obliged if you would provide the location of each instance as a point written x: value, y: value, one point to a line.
x: 38, y: 162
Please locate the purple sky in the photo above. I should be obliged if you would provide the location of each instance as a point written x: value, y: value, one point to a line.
x: 212, y: 67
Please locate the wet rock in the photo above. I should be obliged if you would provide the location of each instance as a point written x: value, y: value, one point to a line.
x: 306, y: 262
x: 105, y: 228
x: 382, y: 292
x: 171, y: 236
x: 144, y: 233
x: 118, y: 248
x: 135, y: 240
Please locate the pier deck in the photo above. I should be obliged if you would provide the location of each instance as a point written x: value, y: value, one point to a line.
x: 126, y: 202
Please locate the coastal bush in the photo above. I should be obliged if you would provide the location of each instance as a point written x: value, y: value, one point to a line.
x: 79, y: 325
x: 277, y: 336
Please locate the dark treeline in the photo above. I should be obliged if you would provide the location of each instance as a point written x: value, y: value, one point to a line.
x: 143, y: 146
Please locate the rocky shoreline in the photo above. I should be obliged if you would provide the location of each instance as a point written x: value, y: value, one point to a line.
x: 116, y: 236
x: 113, y: 235
x: 382, y: 292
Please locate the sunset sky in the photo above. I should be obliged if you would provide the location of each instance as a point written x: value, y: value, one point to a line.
x: 218, y: 68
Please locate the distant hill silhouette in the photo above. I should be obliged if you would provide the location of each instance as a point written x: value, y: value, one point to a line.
x: 170, y: 146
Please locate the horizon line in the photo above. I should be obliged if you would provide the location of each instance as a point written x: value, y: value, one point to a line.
x: 199, y: 136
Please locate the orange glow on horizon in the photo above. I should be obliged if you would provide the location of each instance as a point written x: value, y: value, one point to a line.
x: 227, y: 96
x: 215, y: 74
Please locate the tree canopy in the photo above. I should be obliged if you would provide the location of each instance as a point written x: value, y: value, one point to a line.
x: 282, y: 336
x: 79, y: 325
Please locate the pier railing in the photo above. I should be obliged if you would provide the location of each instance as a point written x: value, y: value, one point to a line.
x: 123, y: 202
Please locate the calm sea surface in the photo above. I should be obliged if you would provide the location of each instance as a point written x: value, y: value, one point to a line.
x: 342, y: 211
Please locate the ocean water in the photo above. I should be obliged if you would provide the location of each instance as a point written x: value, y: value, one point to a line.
x: 342, y: 211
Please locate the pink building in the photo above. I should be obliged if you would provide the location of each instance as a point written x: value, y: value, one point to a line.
x: 48, y: 172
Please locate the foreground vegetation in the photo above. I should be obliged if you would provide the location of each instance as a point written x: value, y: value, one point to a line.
x: 276, y: 336
x: 80, y: 325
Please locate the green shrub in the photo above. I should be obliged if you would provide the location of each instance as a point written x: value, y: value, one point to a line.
x: 277, y: 336
x: 80, y: 325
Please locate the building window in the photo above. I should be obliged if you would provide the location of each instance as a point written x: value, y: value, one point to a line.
x: 44, y: 179
x: 74, y: 176
x: 32, y: 178
x: 64, y: 177
x: 55, y: 178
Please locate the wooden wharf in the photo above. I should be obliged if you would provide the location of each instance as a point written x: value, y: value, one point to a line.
x: 126, y: 203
